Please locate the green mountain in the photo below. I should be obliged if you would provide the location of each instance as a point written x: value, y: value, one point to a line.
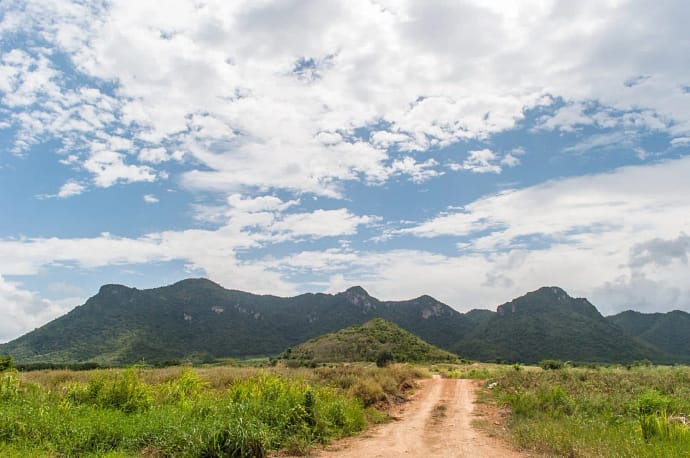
x: 669, y: 332
x: 199, y: 319
x: 547, y: 323
x: 366, y: 343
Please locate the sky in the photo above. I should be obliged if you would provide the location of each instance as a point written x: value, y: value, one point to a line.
x: 469, y: 150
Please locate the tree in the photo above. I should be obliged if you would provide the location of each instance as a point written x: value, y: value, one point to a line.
x: 6, y: 363
x: 384, y: 358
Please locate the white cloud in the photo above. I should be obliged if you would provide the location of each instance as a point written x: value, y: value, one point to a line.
x: 214, y: 251
x: 320, y: 223
x: 154, y: 155
x: 24, y: 310
x: 510, y: 161
x: 480, y: 161
x: 151, y: 199
x: 627, y: 227
x: 261, y: 203
x: 226, y: 91
x: 69, y: 189
x: 568, y: 117
x: 680, y: 142
x: 417, y: 171
x: 109, y: 169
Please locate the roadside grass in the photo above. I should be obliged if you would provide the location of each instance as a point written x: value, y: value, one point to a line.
x: 181, y: 411
x: 604, y: 412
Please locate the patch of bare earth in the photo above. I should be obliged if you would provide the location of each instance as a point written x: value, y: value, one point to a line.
x: 437, y: 422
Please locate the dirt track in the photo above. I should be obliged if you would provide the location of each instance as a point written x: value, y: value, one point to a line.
x: 435, y: 423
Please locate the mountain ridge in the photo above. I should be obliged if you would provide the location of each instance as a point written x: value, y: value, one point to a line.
x: 200, y: 320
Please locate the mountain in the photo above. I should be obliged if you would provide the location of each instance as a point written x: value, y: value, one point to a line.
x: 199, y: 319
x: 366, y: 343
x: 547, y: 323
x: 669, y: 332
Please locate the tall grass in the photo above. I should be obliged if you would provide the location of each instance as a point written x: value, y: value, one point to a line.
x: 640, y: 412
x: 211, y: 412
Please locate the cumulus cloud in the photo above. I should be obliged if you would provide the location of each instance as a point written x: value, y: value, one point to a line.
x: 417, y: 171
x: 218, y: 89
x: 481, y: 161
x: 69, y: 189
x: 150, y: 199
x: 661, y: 252
x: 320, y: 223
x: 109, y: 168
x: 24, y: 310
x: 154, y: 155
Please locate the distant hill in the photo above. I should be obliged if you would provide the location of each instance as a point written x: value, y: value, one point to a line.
x: 669, y: 332
x: 366, y: 343
x: 548, y: 323
x: 199, y: 319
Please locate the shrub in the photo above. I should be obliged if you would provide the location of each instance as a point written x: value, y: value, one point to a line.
x: 384, y: 359
x: 9, y: 385
x: 187, y: 386
x: 650, y: 401
x: 6, y: 363
x: 551, y: 364
x: 660, y: 426
x: 368, y: 391
x: 126, y: 392
x: 240, y: 438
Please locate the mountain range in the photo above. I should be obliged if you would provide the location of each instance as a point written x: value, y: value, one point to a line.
x: 200, y: 320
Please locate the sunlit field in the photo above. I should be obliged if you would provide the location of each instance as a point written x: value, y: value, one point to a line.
x: 183, y: 411
x: 640, y: 411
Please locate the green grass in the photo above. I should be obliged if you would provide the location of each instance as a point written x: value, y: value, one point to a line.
x: 603, y: 412
x: 210, y: 412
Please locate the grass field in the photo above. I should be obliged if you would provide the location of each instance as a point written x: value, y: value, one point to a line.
x: 244, y: 411
x: 605, y: 412
x: 204, y: 412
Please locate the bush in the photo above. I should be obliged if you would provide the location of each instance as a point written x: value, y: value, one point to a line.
x: 6, y: 363
x: 551, y: 364
x: 9, y: 385
x: 650, y: 401
x: 126, y: 392
x: 660, y: 426
x: 384, y: 359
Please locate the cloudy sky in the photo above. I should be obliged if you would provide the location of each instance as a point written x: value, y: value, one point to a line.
x: 469, y: 150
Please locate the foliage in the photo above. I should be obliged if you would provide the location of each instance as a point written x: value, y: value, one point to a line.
x: 384, y: 358
x: 551, y: 364
x: 215, y: 411
x: 660, y: 426
x: 125, y: 392
x: 6, y: 363
x: 636, y: 412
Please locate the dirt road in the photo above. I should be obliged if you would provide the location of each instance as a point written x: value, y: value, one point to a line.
x: 435, y: 423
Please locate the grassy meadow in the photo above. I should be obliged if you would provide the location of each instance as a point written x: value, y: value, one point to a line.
x: 639, y: 411
x: 246, y: 411
x: 195, y: 412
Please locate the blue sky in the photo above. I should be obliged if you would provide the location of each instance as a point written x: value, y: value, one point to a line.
x: 468, y: 150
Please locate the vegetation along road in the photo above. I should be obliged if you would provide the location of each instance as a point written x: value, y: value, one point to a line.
x: 437, y: 422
